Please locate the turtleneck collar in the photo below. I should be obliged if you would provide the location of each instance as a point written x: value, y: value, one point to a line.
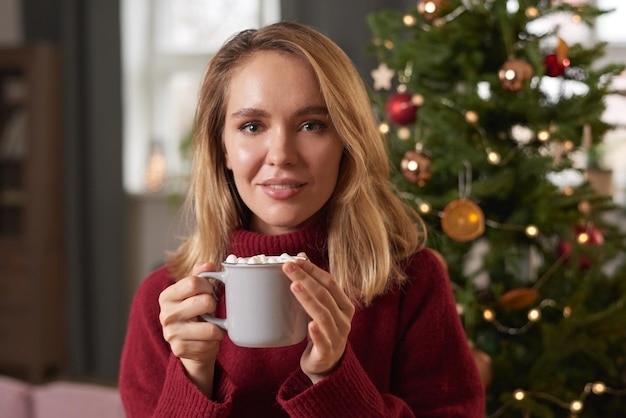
x: 311, y: 239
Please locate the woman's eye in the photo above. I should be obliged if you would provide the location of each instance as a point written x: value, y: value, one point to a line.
x: 250, y: 127
x: 313, y: 126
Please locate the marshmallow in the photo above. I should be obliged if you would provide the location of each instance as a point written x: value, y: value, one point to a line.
x: 261, y: 259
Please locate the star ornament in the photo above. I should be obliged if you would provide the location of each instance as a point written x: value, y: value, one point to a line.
x: 382, y: 77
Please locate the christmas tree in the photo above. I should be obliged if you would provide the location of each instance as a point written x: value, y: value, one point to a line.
x: 490, y: 117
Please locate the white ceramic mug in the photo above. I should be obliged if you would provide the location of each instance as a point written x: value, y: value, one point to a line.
x: 261, y: 311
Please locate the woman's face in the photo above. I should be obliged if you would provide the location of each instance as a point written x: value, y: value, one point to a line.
x: 280, y: 143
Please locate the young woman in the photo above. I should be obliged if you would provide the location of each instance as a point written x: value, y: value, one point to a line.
x: 287, y: 158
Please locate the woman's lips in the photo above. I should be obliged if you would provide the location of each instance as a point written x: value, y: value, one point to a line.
x: 282, y: 189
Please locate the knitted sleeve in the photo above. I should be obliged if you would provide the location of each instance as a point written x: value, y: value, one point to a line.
x: 433, y: 371
x: 153, y: 382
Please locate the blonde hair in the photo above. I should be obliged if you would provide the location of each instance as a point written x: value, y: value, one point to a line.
x: 370, y: 231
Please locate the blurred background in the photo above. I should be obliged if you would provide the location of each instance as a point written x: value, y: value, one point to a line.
x: 128, y: 75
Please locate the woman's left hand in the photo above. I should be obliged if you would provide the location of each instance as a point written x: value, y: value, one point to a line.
x: 331, y: 313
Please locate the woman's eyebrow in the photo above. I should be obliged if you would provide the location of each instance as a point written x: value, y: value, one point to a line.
x: 247, y: 112
x: 252, y: 112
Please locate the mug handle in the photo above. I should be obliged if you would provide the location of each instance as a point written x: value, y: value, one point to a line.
x: 217, y: 275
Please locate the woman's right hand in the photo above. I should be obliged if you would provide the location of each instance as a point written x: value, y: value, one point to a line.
x: 193, y: 341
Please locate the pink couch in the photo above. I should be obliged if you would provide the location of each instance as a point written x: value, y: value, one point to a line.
x: 58, y: 400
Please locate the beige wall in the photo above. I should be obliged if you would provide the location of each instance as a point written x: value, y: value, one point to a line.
x: 10, y: 22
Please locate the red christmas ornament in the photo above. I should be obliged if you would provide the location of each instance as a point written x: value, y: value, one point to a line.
x: 555, y: 64
x: 401, y: 108
x: 584, y: 236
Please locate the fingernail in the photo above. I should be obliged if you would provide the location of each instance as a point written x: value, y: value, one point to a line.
x: 290, y: 267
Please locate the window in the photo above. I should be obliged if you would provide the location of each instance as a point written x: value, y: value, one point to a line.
x: 610, y: 26
x: 166, y: 45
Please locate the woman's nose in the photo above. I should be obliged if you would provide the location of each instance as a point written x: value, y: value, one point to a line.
x: 281, y: 148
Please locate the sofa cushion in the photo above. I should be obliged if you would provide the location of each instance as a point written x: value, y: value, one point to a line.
x: 76, y: 400
x: 14, y: 398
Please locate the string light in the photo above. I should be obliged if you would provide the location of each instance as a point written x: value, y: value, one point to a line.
x: 567, y: 312
x: 424, y: 207
x: 582, y: 238
x: 543, y: 135
x: 568, y: 145
x: 417, y: 100
x: 471, y: 116
x: 428, y: 7
x: 598, y: 388
x: 404, y: 133
x: 489, y: 315
x: 409, y: 20
x: 493, y: 157
x: 576, y: 406
x: 531, y: 231
x: 532, y: 12
x: 534, y: 315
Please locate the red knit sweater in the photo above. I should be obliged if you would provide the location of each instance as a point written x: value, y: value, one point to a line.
x: 407, y: 355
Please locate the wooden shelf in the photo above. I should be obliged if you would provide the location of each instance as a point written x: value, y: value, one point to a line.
x: 32, y: 291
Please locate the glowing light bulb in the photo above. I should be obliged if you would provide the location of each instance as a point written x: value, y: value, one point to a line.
x: 510, y: 75
x: 424, y: 207
x: 532, y: 12
x: 568, y: 145
x: 493, y: 157
x: 543, y: 135
x: 417, y: 99
x: 582, y: 238
x: 519, y: 395
x: 383, y: 128
x: 576, y: 406
x: 404, y: 133
x: 567, y: 312
x: 534, y: 315
x: 430, y: 7
x: 598, y: 388
x: 471, y: 116
x: 532, y: 231
x: 489, y: 315
x: 409, y: 20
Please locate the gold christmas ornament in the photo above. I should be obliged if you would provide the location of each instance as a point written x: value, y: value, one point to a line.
x: 430, y: 9
x: 518, y: 298
x: 514, y: 73
x: 463, y: 220
x: 416, y: 167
